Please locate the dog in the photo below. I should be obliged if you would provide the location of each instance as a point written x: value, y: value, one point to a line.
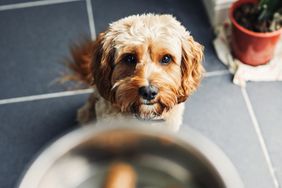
x: 143, y: 66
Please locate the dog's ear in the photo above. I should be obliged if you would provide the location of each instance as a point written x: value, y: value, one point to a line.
x: 103, y: 63
x: 191, y: 67
x: 81, y: 63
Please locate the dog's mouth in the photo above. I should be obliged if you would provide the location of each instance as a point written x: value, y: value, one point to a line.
x: 147, y: 110
x: 147, y: 102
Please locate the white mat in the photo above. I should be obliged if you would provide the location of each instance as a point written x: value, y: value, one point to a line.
x: 242, y: 72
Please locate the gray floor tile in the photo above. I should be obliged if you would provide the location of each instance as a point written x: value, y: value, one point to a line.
x: 267, y: 104
x: 33, y: 43
x: 190, y: 13
x: 27, y: 127
x: 8, y: 2
x: 218, y: 111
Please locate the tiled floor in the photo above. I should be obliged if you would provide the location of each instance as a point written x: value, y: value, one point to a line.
x: 35, y: 36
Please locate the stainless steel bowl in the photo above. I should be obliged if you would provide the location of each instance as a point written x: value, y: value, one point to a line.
x: 161, y: 159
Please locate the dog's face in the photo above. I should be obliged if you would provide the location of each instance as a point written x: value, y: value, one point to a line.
x: 146, y: 64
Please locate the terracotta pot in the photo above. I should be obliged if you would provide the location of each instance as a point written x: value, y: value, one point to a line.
x: 252, y: 48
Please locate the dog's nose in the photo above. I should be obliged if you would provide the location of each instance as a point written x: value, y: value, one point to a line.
x: 148, y: 92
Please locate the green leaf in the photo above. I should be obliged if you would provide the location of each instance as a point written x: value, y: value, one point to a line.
x: 267, y: 8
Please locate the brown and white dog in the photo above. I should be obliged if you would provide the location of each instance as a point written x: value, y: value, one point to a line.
x: 142, y: 66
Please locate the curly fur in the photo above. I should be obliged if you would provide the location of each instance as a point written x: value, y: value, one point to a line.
x: 149, y: 38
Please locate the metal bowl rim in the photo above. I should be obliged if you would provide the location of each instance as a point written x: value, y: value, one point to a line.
x: 187, y: 138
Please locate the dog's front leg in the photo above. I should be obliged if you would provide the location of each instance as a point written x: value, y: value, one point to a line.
x: 87, y: 112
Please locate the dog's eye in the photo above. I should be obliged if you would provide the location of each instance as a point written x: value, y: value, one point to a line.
x: 130, y: 58
x: 166, y: 59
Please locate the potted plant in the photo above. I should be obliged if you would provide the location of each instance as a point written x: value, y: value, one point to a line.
x: 256, y: 28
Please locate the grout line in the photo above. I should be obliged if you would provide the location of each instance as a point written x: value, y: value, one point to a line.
x: 70, y: 93
x: 91, y: 19
x: 45, y: 96
x: 260, y: 137
x: 216, y: 73
x: 33, y: 4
